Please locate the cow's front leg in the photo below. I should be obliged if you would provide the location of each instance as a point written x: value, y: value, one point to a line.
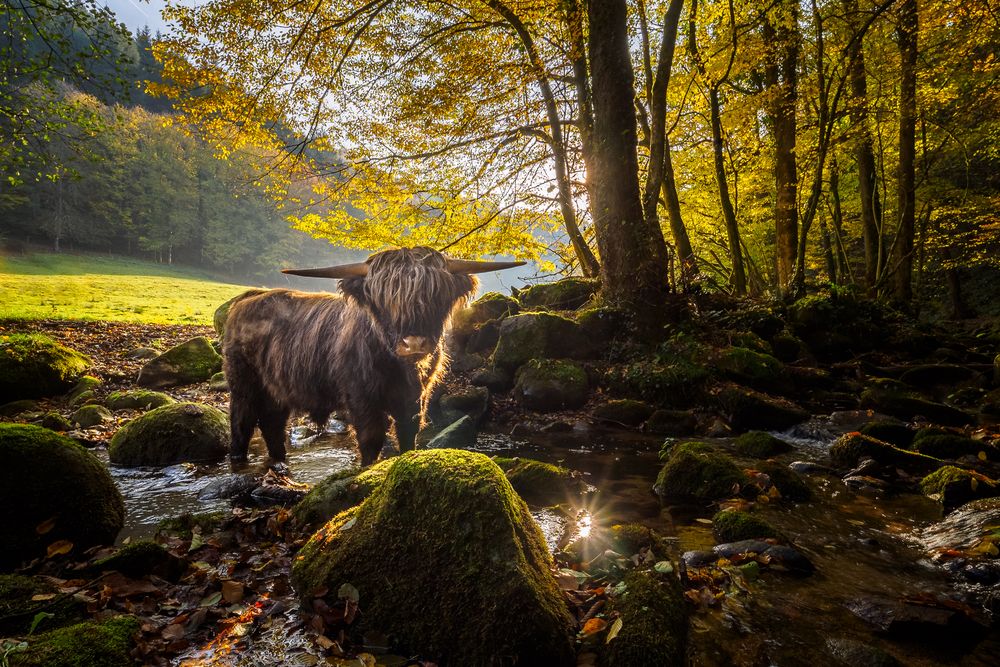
x: 406, y: 417
x: 370, y: 431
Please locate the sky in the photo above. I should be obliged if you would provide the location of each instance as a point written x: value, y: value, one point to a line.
x: 138, y: 13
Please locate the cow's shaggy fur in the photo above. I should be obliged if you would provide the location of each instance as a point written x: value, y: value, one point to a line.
x: 291, y: 351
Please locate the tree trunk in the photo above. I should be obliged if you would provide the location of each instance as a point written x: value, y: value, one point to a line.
x: 781, y: 76
x: 739, y: 277
x: 634, y: 277
x: 908, y: 28
x: 677, y: 229
x: 838, y: 223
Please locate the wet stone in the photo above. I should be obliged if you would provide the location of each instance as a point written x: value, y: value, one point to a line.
x: 229, y: 486
x: 699, y: 558
x: 922, y: 619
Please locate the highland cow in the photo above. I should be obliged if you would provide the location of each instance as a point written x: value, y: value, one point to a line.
x: 374, y: 351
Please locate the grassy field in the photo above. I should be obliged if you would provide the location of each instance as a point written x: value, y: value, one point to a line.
x: 88, y: 287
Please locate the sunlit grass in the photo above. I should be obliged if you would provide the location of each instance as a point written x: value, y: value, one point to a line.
x: 80, y: 287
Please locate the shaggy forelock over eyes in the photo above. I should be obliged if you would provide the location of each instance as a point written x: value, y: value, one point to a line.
x: 412, y: 291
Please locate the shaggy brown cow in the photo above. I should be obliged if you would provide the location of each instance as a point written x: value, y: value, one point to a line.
x: 375, y: 351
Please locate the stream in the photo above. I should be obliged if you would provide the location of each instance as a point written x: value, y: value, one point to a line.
x: 863, y: 547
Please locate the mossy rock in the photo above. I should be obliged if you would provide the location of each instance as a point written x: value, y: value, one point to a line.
x: 894, y: 433
x: 835, y: 326
x: 665, y: 383
x: 630, y: 538
x: 490, y: 306
x: 445, y: 521
x: 143, y: 558
x: 538, y: 336
x: 565, y: 294
x: 761, y: 445
x: 551, y: 384
x: 626, y: 411
x: 193, y: 361
x: 495, y: 379
x: 339, y: 492
x: 471, y: 401
x: 458, y: 435
x: 90, y: 415
x: 787, y: 347
x: 755, y: 369
x: 894, y: 401
x: 55, y: 422
x: 602, y: 324
x: 654, y: 623
x: 49, y: 479
x: 675, y: 423
x: 17, y: 609
x: 789, y: 483
x: 221, y: 314
x: 541, y: 483
x: 218, y: 382
x: 954, y: 486
x: 850, y: 448
x: 735, y: 525
x: 84, y: 389
x: 951, y: 446
x: 137, y: 399
x: 90, y: 644
x: 15, y: 408
x: 748, y: 409
x: 35, y: 366
x: 695, y: 470
x: 178, y: 433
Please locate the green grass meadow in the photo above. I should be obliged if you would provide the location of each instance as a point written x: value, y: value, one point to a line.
x: 88, y: 287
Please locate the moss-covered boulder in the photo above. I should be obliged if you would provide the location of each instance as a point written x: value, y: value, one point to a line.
x: 836, y: 325
x: 52, y: 489
x: 790, y: 484
x: 892, y: 432
x: 542, y: 483
x: 339, y: 492
x: 850, y: 448
x: 137, y: 399
x: 625, y: 411
x: 22, y: 597
x: 745, y: 409
x: 55, y: 422
x: 735, y: 525
x: 218, y: 382
x: 602, y: 324
x: 193, y: 361
x: 895, y: 401
x: 35, y: 366
x: 630, y: 538
x: 695, y: 470
x: 952, y: 446
x: 538, y: 336
x: 90, y: 415
x: 177, y: 433
x: 15, y: 408
x: 83, y: 390
x: 472, y: 401
x: 675, y: 423
x: 143, y: 558
x: 90, y: 644
x: 654, y: 623
x: 449, y: 522
x: 551, y: 384
x: 673, y: 383
x: 754, y: 369
x: 490, y: 306
x: 787, y: 347
x: 954, y: 486
x: 565, y: 294
x: 761, y: 445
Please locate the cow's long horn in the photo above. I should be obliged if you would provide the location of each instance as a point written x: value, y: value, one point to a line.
x: 341, y: 271
x: 466, y: 266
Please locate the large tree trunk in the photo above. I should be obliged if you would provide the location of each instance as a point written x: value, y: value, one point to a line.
x: 781, y: 76
x: 655, y: 174
x: 871, y: 205
x: 634, y: 276
x: 908, y: 28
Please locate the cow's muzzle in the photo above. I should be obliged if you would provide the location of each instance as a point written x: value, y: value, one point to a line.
x: 414, y: 347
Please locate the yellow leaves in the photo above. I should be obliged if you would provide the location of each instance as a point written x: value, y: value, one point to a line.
x: 59, y: 548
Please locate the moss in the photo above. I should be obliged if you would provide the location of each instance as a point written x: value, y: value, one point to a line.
x: 850, y: 448
x: 761, y: 445
x: 787, y: 347
x: 623, y: 411
x: 218, y: 382
x: 90, y: 415
x: 137, y: 399
x: 654, y: 623
x: 55, y: 422
x: 17, y: 609
x: 602, y: 324
x: 750, y: 341
x: 85, y: 385
x: 695, y: 470
x: 541, y: 483
x: 671, y: 422
x: 951, y: 446
x: 90, y: 644
x: 955, y: 486
x: 47, y: 478
x: 551, y: 384
x: 143, y: 558
x: 172, y: 434
x: 789, y: 483
x: 755, y: 369
x: 748, y: 409
x: 537, y: 336
x: 565, y: 294
x: 490, y: 306
x: 734, y: 525
x: 897, y: 402
x: 338, y: 492
x: 193, y: 361
x: 660, y: 383
x: 629, y: 538
x: 894, y: 433
x: 186, y: 524
x: 35, y: 366
x: 447, y: 522
x: 840, y: 323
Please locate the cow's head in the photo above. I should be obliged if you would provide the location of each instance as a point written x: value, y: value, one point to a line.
x: 410, y: 293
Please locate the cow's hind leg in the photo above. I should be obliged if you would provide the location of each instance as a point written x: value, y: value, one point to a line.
x: 407, y: 425
x: 370, y: 431
x: 243, y: 408
x: 273, y: 420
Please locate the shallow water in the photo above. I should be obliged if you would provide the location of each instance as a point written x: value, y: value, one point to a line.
x: 861, y: 546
